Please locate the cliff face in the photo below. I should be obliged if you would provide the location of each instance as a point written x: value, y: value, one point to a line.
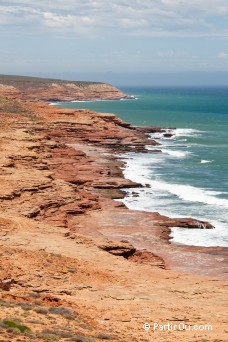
x: 71, y: 256
x: 43, y: 89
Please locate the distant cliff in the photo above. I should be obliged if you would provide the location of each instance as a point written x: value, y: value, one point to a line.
x: 50, y: 90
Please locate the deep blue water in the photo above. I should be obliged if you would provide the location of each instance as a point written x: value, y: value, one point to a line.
x: 190, y: 177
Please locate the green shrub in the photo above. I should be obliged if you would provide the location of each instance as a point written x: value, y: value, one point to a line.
x: 25, y: 306
x: 65, y: 312
x: 13, y: 324
x: 6, y: 304
x: 48, y: 337
x: 42, y: 311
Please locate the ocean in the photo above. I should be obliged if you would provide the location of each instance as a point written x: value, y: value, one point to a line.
x: 190, y: 177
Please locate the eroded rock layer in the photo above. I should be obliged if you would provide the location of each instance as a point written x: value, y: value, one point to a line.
x: 77, y: 265
x: 50, y: 90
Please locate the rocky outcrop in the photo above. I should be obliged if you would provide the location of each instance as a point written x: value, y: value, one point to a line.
x: 120, y: 248
x: 146, y: 257
x: 5, y: 284
x: 185, y: 222
x: 52, y: 90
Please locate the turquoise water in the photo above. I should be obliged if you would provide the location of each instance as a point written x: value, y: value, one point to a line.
x: 190, y: 177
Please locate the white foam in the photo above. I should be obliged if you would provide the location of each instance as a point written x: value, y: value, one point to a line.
x: 190, y: 193
x: 131, y: 97
x: 156, y: 135
x: 202, y: 237
x: 178, y: 154
x: 166, y: 199
x: 138, y: 170
x: 173, y: 199
x: 54, y: 103
x: 81, y: 101
x: 160, y: 135
x: 100, y: 100
x: 186, y: 132
x: 206, y: 161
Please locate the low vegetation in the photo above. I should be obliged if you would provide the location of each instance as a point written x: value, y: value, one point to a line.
x: 13, y: 324
x: 45, y: 323
x: 25, y: 82
x: 12, y: 106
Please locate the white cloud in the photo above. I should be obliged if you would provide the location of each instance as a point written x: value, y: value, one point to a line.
x: 14, y: 15
x: 54, y: 20
x: 223, y: 55
x: 148, y: 17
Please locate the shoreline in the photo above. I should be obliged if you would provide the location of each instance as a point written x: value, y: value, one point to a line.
x: 133, y: 199
x: 155, y: 238
x: 122, y: 138
x: 66, y: 239
x: 124, y: 98
x: 163, y: 228
x: 180, y: 196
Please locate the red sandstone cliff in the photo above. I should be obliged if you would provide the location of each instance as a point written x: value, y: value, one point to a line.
x: 43, y: 89
x: 75, y: 264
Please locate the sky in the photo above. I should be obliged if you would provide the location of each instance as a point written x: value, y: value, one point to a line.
x: 124, y: 42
